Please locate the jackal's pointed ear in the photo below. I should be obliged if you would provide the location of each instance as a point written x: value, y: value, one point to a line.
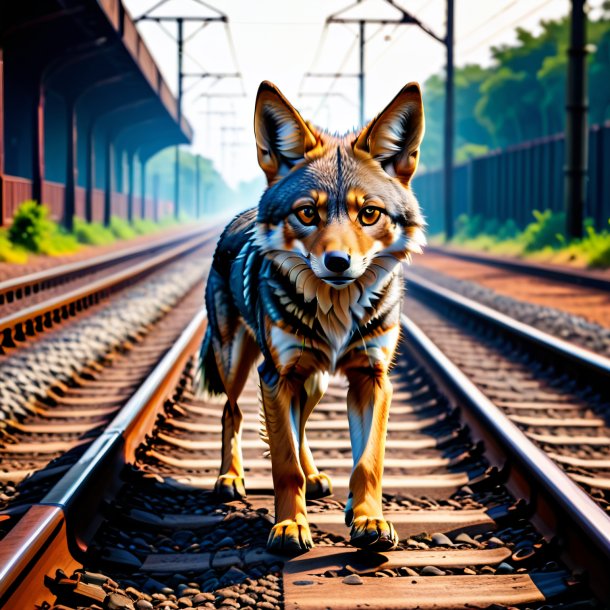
x: 283, y: 138
x: 394, y: 136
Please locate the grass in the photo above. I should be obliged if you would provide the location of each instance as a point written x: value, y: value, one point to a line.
x: 33, y: 231
x: 143, y: 226
x: 121, y: 229
x: 92, y: 233
x: 542, y: 240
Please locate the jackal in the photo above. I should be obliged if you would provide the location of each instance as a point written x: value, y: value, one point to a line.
x: 310, y: 283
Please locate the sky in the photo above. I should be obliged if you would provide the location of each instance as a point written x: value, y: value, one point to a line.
x: 282, y: 40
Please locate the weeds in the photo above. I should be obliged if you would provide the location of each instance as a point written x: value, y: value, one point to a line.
x: 121, y: 228
x: 543, y: 239
x: 93, y: 234
x: 33, y: 231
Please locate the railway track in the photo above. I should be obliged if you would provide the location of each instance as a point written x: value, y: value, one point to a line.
x: 32, y: 304
x: 578, y: 292
x: 484, y: 516
x: 58, y: 393
x: 556, y: 392
x: 26, y: 289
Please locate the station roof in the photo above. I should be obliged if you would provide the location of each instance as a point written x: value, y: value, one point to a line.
x: 73, y: 42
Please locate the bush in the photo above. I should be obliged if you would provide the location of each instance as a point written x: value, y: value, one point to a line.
x: 93, y: 234
x: 9, y: 253
x: 491, y: 227
x: 468, y: 227
x: 121, y: 228
x: 58, y: 243
x: 547, y: 231
x: 33, y: 230
x: 542, y: 239
x: 30, y: 226
x: 509, y: 230
x: 597, y: 247
x: 168, y: 221
x: 143, y: 226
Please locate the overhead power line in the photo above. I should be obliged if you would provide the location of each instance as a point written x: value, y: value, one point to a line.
x: 508, y: 26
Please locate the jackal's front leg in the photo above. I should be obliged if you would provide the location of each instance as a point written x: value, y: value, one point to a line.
x: 368, y: 402
x: 317, y: 484
x: 230, y: 483
x: 281, y: 404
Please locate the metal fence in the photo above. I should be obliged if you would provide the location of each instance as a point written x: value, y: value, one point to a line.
x: 511, y: 183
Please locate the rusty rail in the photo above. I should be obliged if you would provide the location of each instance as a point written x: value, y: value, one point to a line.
x: 53, y: 533
x: 33, y: 283
x: 36, y: 318
x: 567, y: 275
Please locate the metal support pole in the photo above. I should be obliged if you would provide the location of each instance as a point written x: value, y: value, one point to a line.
x: 180, y: 24
x: 576, y: 167
x: 449, y: 127
x: 155, y: 185
x: 130, y: 184
x: 361, y: 72
x: 90, y: 176
x: 38, y: 141
x: 71, y: 166
x: 109, y: 183
x: 198, y: 186
x: 143, y: 188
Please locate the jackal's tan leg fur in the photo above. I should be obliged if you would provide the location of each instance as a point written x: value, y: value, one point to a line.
x: 318, y: 484
x: 230, y: 482
x: 368, y: 403
x: 282, y: 408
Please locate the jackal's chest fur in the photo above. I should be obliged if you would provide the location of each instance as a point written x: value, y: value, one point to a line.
x: 320, y: 319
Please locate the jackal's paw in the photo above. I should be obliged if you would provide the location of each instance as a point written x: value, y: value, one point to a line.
x: 290, y: 537
x: 318, y: 486
x: 373, y: 534
x: 229, y: 487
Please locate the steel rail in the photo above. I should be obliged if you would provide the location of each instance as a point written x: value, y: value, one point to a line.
x: 58, y: 525
x: 17, y: 288
x: 580, y: 277
x: 576, y: 513
x: 33, y: 319
x: 584, y: 359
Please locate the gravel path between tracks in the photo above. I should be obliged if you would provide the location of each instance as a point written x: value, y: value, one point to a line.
x: 30, y: 371
x: 554, y: 321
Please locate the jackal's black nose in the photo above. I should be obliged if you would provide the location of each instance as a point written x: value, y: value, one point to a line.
x: 336, y: 261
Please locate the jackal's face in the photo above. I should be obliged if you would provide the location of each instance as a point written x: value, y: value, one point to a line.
x: 339, y: 203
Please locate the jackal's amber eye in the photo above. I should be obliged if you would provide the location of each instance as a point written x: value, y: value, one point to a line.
x: 369, y: 215
x: 308, y: 215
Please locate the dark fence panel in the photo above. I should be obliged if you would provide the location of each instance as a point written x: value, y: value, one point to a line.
x: 512, y: 183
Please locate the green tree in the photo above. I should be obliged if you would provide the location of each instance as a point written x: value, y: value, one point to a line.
x: 522, y: 95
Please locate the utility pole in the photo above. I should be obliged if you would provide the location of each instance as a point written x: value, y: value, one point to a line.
x: 449, y: 125
x: 406, y: 18
x: 576, y: 166
x: 361, y: 42
x: 361, y: 70
x: 181, y: 41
